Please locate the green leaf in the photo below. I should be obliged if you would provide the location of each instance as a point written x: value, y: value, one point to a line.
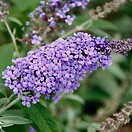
x: 14, y: 120
x: 42, y: 118
x: 93, y: 127
x: 99, y: 32
x: 117, y: 71
x: 3, y: 89
x: 13, y: 113
x: 6, y: 55
x: 103, y: 24
x: 106, y: 81
x: 15, y: 20
x: 2, y: 27
x: 23, y: 5
x: 75, y: 98
x: 117, y: 58
x: 7, y: 124
x: 2, y: 101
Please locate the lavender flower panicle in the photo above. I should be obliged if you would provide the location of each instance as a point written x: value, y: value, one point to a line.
x: 106, y: 9
x: 58, y: 67
x: 121, y: 118
x: 121, y: 46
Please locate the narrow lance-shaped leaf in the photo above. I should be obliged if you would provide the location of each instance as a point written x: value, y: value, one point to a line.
x: 15, y: 20
x: 42, y: 118
x: 6, y: 55
x: 14, y: 120
x: 13, y: 113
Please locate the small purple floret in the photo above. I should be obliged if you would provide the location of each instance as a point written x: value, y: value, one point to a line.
x: 36, y: 39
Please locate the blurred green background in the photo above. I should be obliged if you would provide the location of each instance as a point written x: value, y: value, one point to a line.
x: 101, y: 93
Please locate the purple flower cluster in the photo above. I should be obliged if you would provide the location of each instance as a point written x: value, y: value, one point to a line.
x: 55, y: 10
x: 58, y: 67
x: 52, y: 13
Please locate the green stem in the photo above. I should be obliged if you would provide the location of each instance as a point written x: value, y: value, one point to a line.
x: 9, y: 99
x: 12, y: 37
x: 9, y: 105
x: 45, y: 33
x: 78, y: 28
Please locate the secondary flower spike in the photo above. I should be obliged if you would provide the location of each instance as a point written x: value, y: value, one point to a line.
x: 49, y: 14
x: 58, y: 67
